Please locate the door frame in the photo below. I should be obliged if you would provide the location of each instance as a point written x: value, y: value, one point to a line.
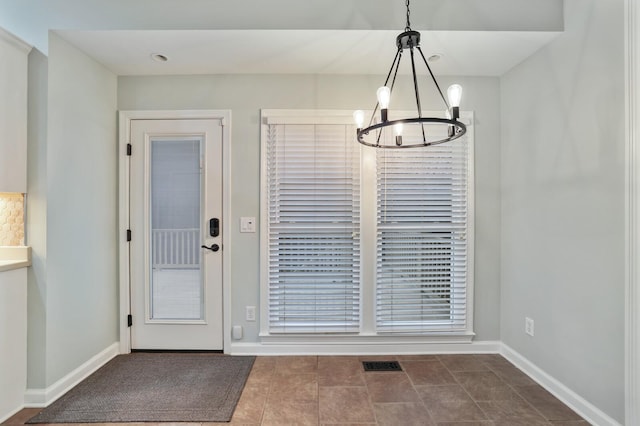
x: 632, y: 212
x: 124, y: 137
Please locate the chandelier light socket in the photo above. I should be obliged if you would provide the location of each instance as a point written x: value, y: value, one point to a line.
x: 455, y: 112
x: 384, y: 115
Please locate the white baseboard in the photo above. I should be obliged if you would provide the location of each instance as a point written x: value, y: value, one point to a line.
x: 44, y: 397
x: 343, y: 348
x: 580, y: 405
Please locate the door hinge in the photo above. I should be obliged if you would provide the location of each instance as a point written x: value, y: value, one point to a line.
x: 129, y: 320
x: 129, y: 149
x: 128, y: 234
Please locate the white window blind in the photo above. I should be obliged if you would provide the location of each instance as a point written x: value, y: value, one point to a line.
x: 422, y: 219
x: 313, y: 195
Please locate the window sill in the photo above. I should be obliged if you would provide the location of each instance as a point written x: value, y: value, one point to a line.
x: 357, y: 340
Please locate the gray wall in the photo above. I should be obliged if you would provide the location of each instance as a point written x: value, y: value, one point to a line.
x: 245, y: 95
x: 36, y: 235
x: 563, y: 205
x: 72, y: 213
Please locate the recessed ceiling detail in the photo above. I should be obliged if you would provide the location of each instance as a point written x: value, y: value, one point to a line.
x: 469, y: 53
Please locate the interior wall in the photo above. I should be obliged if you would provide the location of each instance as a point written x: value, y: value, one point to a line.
x: 81, y: 166
x: 245, y: 95
x: 563, y: 205
x: 36, y: 217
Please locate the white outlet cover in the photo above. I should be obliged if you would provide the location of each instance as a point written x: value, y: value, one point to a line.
x: 529, y: 326
x: 247, y: 224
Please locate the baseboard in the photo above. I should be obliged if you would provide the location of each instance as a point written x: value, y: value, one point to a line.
x: 273, y: 349
x: 581, y: 406
x: 44, y: 397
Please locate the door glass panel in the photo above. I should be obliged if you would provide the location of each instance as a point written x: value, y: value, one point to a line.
x: 176, y: 279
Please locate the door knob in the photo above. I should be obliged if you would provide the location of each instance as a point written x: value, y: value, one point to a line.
x: 214, y: 247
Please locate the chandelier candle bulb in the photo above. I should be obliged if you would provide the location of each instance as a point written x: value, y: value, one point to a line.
x: 454, y: 93
x: 384, y: 96
x: 358, y: 117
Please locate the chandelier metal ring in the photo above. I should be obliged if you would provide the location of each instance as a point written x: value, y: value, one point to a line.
x: 458, y: 128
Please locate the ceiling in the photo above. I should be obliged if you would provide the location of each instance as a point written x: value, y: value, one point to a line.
x: 470, y: 53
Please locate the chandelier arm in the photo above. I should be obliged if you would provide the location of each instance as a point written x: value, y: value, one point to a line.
x: 433, y: 77
x: 395, y: 60
x: 417, y: 91
x: 395, y: 64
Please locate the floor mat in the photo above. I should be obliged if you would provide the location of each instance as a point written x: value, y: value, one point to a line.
x: 155, y: 387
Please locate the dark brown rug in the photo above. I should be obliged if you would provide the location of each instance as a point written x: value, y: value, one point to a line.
x: 155, y: 387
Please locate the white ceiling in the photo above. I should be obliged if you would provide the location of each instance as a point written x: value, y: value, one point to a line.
x: 470, y: 53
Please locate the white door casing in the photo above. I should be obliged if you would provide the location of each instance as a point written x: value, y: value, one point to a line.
x: 139, y: 129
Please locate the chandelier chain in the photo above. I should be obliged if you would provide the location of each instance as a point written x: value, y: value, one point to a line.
x: 408, y: 27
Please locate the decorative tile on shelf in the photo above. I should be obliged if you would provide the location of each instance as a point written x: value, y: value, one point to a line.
x: 11, y: 219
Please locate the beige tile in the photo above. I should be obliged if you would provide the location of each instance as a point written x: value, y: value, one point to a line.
x: 403, y: 413
x: 340, y: 371
x: 251, y: 404
x: 450, y: 403
x: 345, y: 404
x: 427, y: 373
x: 294, y: 387
x: 548, y: 405
x: 484, y: 385
x: 280, y: 413
x: 521, y: 422
x: 463, y: 362
x: 390, y: 387
x: 417, y: 358
x: 22, y: 416
x: 514, y: 410
x: 484, y: 423
x: 511, y: 374
x: 296, y: 364
x: 378, y: 357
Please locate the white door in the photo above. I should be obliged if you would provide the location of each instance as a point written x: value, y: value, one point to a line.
x: 176, y: 209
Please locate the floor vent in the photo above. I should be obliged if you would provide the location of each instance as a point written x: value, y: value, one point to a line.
x: 381, y: 366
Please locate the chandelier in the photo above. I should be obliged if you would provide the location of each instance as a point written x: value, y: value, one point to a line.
x: 372, y: 134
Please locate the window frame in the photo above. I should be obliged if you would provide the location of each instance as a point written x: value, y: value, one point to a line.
x: 368, y: 232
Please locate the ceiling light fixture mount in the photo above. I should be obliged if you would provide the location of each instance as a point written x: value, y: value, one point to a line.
x: 410, y: 40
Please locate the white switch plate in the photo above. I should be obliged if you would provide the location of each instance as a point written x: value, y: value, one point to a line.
x: 247, y: 224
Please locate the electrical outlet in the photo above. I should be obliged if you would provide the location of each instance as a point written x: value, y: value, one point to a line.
x: 528, y: 326
x: 250, y: 313
x: 247, y: 224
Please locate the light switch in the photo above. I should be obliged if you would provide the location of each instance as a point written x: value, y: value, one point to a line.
x: 247, y: 224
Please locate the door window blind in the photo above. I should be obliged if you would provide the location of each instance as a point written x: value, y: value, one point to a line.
x: 421, y: 272
x: 313, y: 193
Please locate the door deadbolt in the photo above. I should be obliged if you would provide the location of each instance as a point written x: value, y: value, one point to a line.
x: 214, y: 247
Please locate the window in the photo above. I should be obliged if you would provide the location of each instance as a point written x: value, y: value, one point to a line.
x: 417, y: 225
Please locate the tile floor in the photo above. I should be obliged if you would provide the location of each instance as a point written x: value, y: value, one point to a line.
x: 443, y: 390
